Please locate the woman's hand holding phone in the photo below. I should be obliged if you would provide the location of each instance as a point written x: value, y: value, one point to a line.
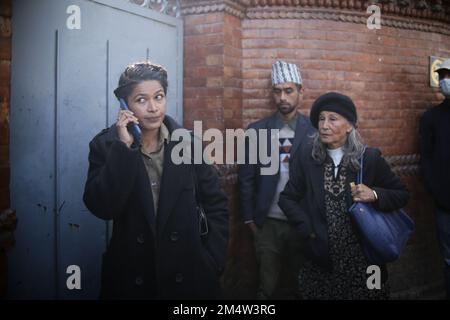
x: 123, y: 119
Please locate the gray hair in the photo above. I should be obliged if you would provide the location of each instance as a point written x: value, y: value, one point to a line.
x: 353, y: 149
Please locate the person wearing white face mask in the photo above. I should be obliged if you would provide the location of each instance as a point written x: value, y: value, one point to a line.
x: 435, y: 158
x: 444, y: 78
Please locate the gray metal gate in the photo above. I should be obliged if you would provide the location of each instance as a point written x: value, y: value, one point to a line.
x: 62, y: 95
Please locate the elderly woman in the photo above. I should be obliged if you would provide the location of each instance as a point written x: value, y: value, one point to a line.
x: 318, y: 195
x: 157, y: 250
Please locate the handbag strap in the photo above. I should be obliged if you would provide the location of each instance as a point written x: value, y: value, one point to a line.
x: 202, y: 219
x: 359, y: 177
x: 197, y: 196
x: 194, y: 174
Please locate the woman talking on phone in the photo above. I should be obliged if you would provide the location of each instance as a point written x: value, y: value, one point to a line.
x: 160, y: 247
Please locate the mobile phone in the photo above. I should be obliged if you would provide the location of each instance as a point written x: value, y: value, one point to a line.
x: 133, y: 127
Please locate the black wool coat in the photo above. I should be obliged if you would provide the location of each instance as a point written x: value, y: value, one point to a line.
x: 303, y: 199
x: 156, y: 255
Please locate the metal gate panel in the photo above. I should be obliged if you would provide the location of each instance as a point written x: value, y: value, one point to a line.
x: 82, y: 110
x: 62, y: 95
x: 32, y: 158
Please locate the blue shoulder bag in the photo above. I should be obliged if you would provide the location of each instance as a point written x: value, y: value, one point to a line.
x: 384, y: 234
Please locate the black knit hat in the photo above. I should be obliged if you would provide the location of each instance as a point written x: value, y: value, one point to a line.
x: 334, y: 102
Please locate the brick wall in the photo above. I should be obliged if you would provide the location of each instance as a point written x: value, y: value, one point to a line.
x: 232, y: 58
x: 386, y: 74
x: 5, y: 75
x: 212, y: 73
x: 203, y: 61
x: 384, y: 71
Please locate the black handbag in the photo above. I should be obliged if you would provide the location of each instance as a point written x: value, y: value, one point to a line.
x: 384, y: 234
x: 202, y: 220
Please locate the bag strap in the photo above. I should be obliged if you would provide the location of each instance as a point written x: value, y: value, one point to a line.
x: 196, y: 188
x: 202, y: 220
x: 194, y: 173
x: 359, y: 177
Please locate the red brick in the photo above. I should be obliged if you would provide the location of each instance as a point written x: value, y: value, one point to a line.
x: 5, y: 73
x: 4, y: 198
x: 320, y: 65
x: 260, y: 93
x: 274, y: 24
x: 203, y: 51
x: 233, y: 82
x: 233, y: 21
x: 234, y: 103
x: 214, y: 60
x: 270, y: 43
x: 203, y: 92
x: 232, y: 92
x: 234, y: 123
x: 257, y: 64
x: 194, y: 60
x: 194, y: 82
x: 214, y: 103
x: 214, y: 82
x: 200, y: 29
x: 5, y: 48
x: 228, y: 113
x: 204, y: 40
x: 255, y: 103
x: 213, y: 123
x: 232, y: 52
x: 234, y: 62
x: 257, y: 83
x: 4, y: 155
x: 5, y: 27
x: 4, y: 174
x: 210, y: 71
x: 231, y: 72
x: 4, y: 93
x: 258, y: 53
x: 199, y: 19
x: 5, y: 8
x: 4, y: 134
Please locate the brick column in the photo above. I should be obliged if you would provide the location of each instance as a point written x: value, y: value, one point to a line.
x: 213, y: 94
x: 5, y: 76
x: 212, y: 64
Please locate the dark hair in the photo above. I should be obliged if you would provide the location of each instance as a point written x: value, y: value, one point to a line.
x: 138, y: 72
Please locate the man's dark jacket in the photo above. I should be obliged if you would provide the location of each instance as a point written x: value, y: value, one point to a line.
x: 435, y: 152
x: 155, y: 255
x: 258, y: 191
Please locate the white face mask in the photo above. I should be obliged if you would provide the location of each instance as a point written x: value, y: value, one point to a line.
x: 444, y: 84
